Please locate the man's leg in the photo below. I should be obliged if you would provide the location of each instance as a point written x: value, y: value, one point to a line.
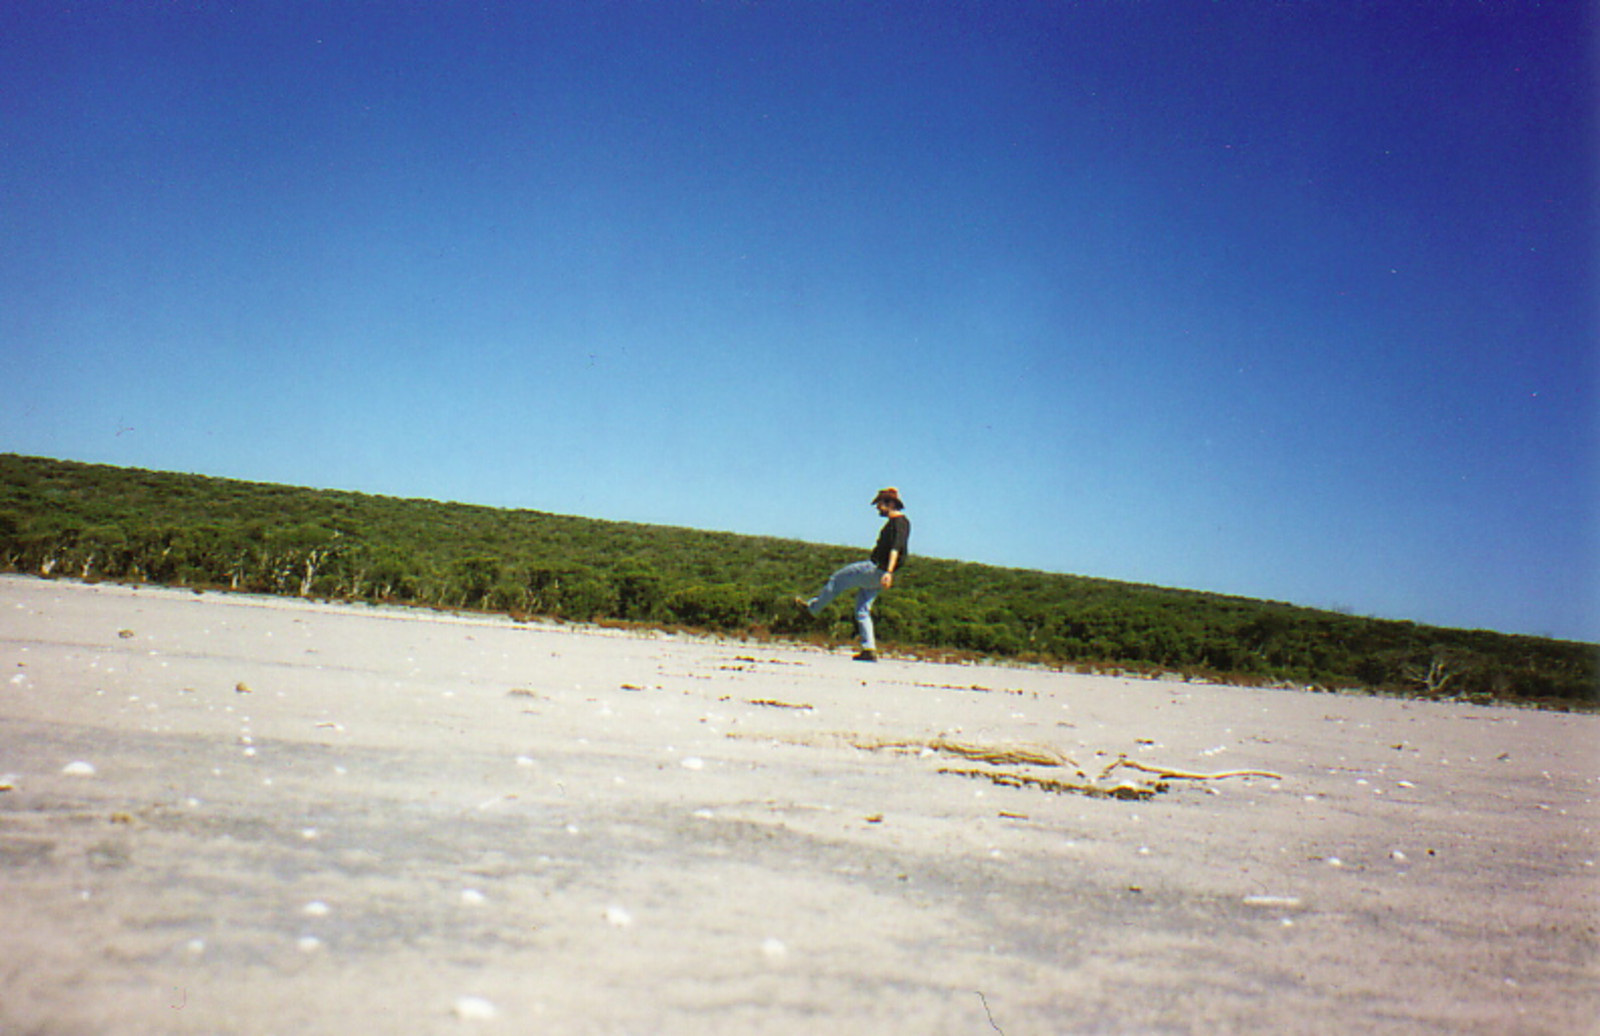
x: 864, y: 598
x: 850, y: 577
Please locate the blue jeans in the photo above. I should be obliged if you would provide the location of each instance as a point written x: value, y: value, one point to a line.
x: 866, y: 579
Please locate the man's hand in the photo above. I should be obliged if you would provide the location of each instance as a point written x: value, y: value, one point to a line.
x: 887, y: 580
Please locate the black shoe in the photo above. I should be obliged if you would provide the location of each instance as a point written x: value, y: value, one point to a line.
x: 867, y: 656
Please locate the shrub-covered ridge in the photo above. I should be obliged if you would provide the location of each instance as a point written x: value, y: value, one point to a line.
x: 61, y: 518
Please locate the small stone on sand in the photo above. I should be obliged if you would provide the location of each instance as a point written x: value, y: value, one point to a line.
x: 474, y: 1009
x: 1284, y: 902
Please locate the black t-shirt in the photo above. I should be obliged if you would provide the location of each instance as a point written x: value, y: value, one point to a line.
x: 895, y: 535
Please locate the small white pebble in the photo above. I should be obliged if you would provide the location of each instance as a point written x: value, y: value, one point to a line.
x: 315, y: 908
x: 1398, y: 856
x: 250, y: 753
x: 78, y: 769
x: 1334, y: 861
x: 704, y: 814
x: 474, y: 1009
x: 694, y: 762
x: 195, y: 947
x: 308, y: 833
x: 523, y: 760
x: 472, y: 897
x: 618, y: 917
x: 1272, y: 901
x: 774, y: 949
x: 308, y: 944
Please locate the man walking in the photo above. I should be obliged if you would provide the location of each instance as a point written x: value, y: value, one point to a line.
x: 871, y: 577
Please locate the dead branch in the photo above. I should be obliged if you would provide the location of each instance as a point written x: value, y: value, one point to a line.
x: 1185, y: 775
x: 1094, y: 791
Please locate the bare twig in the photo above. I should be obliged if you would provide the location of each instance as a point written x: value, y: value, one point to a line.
x: 1185, y: 775
x: 989, y: 1012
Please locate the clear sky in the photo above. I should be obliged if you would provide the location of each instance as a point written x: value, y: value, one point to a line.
x: 1293, y: 300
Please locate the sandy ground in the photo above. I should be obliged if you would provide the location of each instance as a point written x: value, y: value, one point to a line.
x: 308, y: 818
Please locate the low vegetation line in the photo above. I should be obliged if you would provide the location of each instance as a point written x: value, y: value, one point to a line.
x: 86, y: 521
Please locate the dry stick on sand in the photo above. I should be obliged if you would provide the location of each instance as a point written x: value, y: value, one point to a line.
x: 1022, y: 754
x: 1013, y: 753
x: 1169, y: 772
x: 1007, y: 779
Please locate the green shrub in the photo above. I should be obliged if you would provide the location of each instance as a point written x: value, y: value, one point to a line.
x: 721, y: 607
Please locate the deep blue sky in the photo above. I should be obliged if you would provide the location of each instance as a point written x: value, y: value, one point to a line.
x: 1292, y: 300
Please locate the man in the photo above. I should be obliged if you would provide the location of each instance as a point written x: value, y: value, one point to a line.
x: 869, y: 578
